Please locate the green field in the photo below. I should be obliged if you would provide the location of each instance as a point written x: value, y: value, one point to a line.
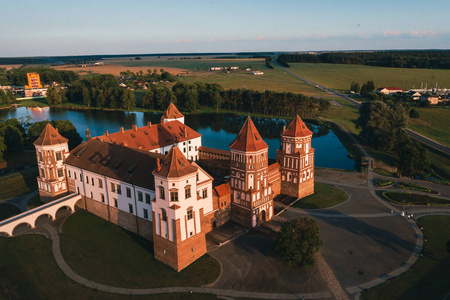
x: 106, y: 253
x: 325, y: 195
x: 434, y: 122
x: 29, y: 271
x: 18, y: 184
x: 339, y: 77
x: 429, y: 278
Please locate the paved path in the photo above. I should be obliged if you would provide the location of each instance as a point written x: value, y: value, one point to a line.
x: 421, y: 138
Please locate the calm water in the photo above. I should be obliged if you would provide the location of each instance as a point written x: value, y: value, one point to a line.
x: 218, y: 130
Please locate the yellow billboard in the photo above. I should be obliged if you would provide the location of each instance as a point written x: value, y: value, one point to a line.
x: 34, y: 82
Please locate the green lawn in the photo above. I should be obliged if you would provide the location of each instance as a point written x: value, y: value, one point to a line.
x: 8, y: 210
x: 414, y: 199
x: 429, y: 278
x: 106, y: 253
x: 325, y: 195
x: 29, y: 271
x: 18, y: 184
x: 434, y: 122
x: 383, y: 182
x: 340, y: 76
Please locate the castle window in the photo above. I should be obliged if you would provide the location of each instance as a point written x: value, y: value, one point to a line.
x: 147, y: 198
x: 187, y: 192
x: 184, y: 150
x: 92, y: 196
x: 130, y: 208
x: 60, y: 173
x: 163, y: 215
x: 115, y: 202
x: 113, y: 187
x: 140, y: 197
x: 205, y: 193
x: 100, y: 183
x: 75, y: 175
x: 119, y: 189
x: 58, y: 156
x: 81, y: 177
x: 145, y: 214
x: 189, y: 214
x: 42, y: 173
x: 92, y: 181
x: 40, y: 156
x: 128, y: 192
x: 174, y: 195
x: 87, y: 179
x: 69, y: 174
x: 161, y: 193
x: 103, y: 198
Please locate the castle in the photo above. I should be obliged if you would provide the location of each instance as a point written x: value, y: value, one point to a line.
x: 150, y: 180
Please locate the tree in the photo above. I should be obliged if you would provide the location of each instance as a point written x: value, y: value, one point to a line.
x: 414, y: 114
x: 86, y: 97
x: 2, y: 147
x: 53, y: 96
x: 128, y: 99
x: 298, y: 241
x: 3, y: 99
x: 147, y: 99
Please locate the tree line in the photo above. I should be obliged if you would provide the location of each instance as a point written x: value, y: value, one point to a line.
x: 19, y: 135
x: 435, y: 59
x: 18, y: 76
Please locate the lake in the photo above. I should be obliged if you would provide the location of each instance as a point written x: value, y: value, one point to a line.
x: 217, y: 130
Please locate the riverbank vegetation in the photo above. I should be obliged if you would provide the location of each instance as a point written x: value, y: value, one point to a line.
x: 426, y: 279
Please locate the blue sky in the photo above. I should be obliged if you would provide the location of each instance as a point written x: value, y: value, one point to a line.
x: 47, y: 28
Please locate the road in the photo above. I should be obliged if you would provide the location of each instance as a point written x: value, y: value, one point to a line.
x: 415, y: 135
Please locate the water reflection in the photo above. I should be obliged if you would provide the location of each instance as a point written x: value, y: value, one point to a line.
x: 218, y: 130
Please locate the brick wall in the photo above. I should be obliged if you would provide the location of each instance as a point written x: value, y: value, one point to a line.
x: 241, y: 215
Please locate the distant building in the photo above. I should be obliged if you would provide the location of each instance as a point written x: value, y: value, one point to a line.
x: 234, y: 68
x: 216, y: 68
x: 388, y: 90
x: 434, y: 99
x: 34, y: 87
x: 257, y: 72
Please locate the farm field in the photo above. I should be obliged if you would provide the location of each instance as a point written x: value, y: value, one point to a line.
x: 114, y: 69
x: 433, y: 123
x: 339, y: 77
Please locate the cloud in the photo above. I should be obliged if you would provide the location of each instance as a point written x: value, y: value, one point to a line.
x: 261, y: 37
x: 391, y: 33
x: 422, y: 32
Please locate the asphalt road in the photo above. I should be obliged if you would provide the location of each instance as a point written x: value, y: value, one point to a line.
x: 421, y: 138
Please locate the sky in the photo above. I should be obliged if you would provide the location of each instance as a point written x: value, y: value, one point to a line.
x: 57, y: 28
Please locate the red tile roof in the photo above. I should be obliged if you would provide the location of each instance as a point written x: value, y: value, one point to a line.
x: 248, y: 138
x: 297, y: 128
x: 153, y: 136
x: 172, y: 112
x: 115, y: 161
x: 396, y: 88
x: 50, y: 136
x: 222, y: 190
x: 175, y: 164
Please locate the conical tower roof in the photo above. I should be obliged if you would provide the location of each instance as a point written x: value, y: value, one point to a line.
x: 50, y: 136
x: 172, y: 112
x: 297, y: 128
x: 175, y: 164
x: 248, y: 138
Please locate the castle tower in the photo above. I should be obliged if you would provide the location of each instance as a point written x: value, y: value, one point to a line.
x: 172, y: 114
x: 51, y: 151
x: 177, y: 212
x: 251, y: 195
x: 296, y: 158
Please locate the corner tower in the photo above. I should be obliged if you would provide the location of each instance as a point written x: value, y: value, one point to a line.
x: 296, y: 158
x: 251, y: 194
x: 172, y: 114
x: 177, y: 212
x: 51, y: 151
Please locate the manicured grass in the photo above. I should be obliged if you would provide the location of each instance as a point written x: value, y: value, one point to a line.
x: 383, y: 172
x: 414, y: 187
x: 340, y: 76
x: 347, y: 115
x: 8, y: 210
x: 433, y: 123
x: 429, y: 278
x: 18, y: 184
x: 440, y: 162
x: 34, y: 202
x: 106, y: 253
x: 29, y: 271
x: 414, y: 199
x: 383, y: 182
x: 325, y: 195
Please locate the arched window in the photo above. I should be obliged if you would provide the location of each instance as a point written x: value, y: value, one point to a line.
x: 163, y: 215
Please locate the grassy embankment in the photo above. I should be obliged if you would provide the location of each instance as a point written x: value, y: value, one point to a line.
x: 18, y: 183
x: 29, y: 271
x: 8, y: 210
x: 429, y: 277
x: 434, y: 122
x: 106, y: 253
x: 325, y: 195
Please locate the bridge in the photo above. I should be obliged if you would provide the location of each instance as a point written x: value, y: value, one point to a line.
x: 32, y: 217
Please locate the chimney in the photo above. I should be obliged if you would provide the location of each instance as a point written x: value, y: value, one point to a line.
x: 121, y: 129
x: 149, y: 124
x: 106, y: 133
x: 185, y: 131
x: 88, y: 134
x: 284, y: 128
x: 134, y: 127
x: 158, y: 164
x: 56, y: 128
